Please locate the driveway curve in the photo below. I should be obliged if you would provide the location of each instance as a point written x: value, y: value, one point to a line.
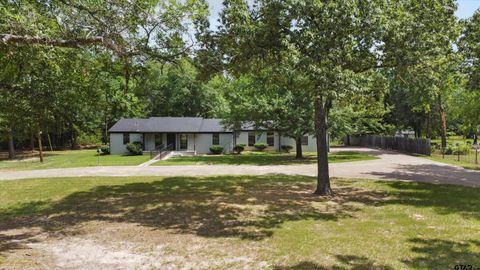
x: 390, y: 165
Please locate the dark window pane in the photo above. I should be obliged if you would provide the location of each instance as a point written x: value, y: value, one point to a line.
x: 305, y: 140
x: 158, y: 139
x: 183, y: 141
x: 251, y: 138
x: 270, y: 139
x: 215, y: 138
x: 126, y: 138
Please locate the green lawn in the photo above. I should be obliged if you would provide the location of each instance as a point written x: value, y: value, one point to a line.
x: 453, y: 140
x: 452, y: 159
x: 271, y: 220
x: 262, y: 158
x: 72, y: 158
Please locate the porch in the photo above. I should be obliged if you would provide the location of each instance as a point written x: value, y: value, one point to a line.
x: 173, y: 141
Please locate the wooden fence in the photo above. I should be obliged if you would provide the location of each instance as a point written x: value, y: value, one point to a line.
x: 401, y: 144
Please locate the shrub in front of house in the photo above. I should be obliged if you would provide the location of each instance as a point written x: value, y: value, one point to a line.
x: 134, y: 148
x: 216, y: 149
x: 104, y: 150
x: 239, y: 148
x: 286, y: 148
x: 260, y: 146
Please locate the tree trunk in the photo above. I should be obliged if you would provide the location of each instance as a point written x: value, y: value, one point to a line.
x: 105, y: 134
x: 441, y: 110
x: 40, y: 150
x: 298, y: 144
x: 11, y: 146
x: 127, y: 74
x: 62, y: 137
x: 428, y: 131
x: 73, y: 145
x: 50, y: 142
x: 323, y: 177
x: 32, y: 141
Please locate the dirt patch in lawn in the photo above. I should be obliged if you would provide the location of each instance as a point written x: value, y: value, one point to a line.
x: 106, y: 245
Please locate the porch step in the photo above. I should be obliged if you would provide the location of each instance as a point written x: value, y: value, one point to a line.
x: 183, y: 153
x: 165, y: 156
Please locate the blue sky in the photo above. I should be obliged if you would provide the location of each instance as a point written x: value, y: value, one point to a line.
x: 465, y: 9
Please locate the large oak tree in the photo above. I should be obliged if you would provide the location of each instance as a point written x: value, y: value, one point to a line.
x: 336, y: 42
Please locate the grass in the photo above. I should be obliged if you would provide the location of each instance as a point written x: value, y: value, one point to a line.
x: 452, y: 160
x: 453, y: 140
x: 262, y: 158
x: 268, y: 222
x: 72, y: 158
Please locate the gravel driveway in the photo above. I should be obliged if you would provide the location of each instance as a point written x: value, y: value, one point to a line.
x: 391, y: 165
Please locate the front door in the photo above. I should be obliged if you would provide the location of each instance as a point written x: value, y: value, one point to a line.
x: 183, y: 141
x: 171, y: 141
x: 158, y: 140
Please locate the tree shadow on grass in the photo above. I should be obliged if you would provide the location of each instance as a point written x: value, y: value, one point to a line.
x: 344, y: 262
x: 258, y: 159
x: 433, y: 173
x: 444, y: 254
x: 264, y: 159
x: 12, y: 242
x: 247, y: 207
x: 444, y: 199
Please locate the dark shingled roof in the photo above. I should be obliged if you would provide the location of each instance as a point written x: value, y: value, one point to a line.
x: 169, y: 124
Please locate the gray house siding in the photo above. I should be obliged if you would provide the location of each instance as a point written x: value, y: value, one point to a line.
x: 260, y: 137
x: 310, y: 147
x: 199, y: 133
x: 149, y: 141
x: 203, y: 141
x: 226, y: 140
x: 116, y: 142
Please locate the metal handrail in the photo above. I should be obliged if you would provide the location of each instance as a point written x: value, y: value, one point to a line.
x: 154, y: 152
x: 159, y: 150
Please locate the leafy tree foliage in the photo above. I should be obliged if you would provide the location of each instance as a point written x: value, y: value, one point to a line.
x: 469, y: 46
x: 335, y: 44
x: 173, y: 90
x: 70, y: 66
x: 271, y: 100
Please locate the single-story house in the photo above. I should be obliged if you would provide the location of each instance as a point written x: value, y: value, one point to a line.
x: 194, y: 134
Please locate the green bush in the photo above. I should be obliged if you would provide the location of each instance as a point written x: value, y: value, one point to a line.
x: 86, y: 139
x: 216, y: 149
x: 286, y: 148
x: 135, y: 148
x: 463, y: 149
x: 104, y: 150
x: 239, y: 148
x: 260, y: 146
